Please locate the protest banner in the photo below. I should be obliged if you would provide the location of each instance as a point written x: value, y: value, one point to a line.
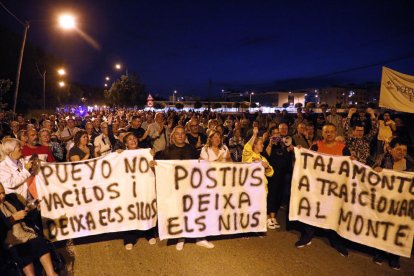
x: 368, y: 207
x: 200, y: 198
x: 101, y: 195
x: 397, y: 91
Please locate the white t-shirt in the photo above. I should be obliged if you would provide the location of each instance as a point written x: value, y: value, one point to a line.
x: 208, y: 154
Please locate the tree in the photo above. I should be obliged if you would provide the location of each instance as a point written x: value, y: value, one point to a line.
x: 4, y: 88
x: 198, y: 105
x: 126, y: 91
x: 216, y: 105
x: 159, y: 105
x: 244, y: 105
x: 179, y: 106
x: 236, y: 105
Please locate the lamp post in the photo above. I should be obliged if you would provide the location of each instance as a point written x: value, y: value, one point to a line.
x: 65, y: 22
x: 174, y: 93
x: 118, y: 67
x: 19, y: 65
x: 250, y: 103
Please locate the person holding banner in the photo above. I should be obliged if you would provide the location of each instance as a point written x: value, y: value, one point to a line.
x: 252, y: 150
x: 14, y: 172
x: 328, y: 146
x: 180, y: 150
x: 17, y: 235
x: 280, y: 157
x: 392, y: 160
x: 130, y: 237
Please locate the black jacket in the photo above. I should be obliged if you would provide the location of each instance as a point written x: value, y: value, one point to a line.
x: 7, y: 223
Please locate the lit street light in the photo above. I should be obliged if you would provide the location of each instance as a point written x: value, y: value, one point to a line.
x: 65, y: 21
x: 107, y: 78
x: 252, y: 93
x: 106, y: 85
x: 118, y: 67
x: 61, y: 72
x: 62, y: 84
x: 174, y: 93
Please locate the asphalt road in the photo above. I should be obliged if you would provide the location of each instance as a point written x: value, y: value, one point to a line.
x: 271, y: 254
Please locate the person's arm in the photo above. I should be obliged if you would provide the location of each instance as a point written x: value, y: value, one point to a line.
x: 144, y: 136
x: 269, y: 148
x: 268, y: 168
x: 13, y: 179
x: 374, y: 125
x: 111, y: 135
x: 392, y: 125
x: 255, y: 131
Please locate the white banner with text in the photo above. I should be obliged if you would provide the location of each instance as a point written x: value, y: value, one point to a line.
x: 109, y: 194
x: 199, y: 198
x: 368, y: 207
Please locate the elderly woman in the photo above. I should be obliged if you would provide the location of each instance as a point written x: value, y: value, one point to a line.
x: 19, y: 237
x: 81, y: 150
x: 55, y: 148
x: 14, y: 172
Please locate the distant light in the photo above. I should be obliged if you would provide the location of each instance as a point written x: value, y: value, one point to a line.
x: 61, y: 72
x: 62, y: 84
x: 175, y: 91
x: 107, y: 78
x: 106, y: 85
x: 118, y: 66
x: 67, y: 21
x: 316, y: 96
x: 306, y: 95
x: 290, y: 92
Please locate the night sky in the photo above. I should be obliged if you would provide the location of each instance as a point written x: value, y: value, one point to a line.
x: 255, y: 45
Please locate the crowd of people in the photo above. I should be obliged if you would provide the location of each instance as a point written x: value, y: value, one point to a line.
x: 379, y: 140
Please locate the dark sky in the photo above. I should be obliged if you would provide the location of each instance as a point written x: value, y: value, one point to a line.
x: 181, y: 45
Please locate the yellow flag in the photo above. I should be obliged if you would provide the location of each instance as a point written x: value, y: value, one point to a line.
x: 397, y: 91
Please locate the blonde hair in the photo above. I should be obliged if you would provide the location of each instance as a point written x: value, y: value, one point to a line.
x: 7, y: 146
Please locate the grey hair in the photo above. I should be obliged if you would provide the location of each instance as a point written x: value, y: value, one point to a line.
x: 7, y: 146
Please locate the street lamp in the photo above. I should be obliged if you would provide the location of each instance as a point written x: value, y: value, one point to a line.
x: 118, y: 67
x: 251, y: 93
x: 65, y: 21
x: 62, y: 84
x: 174, y: 93
x: 61, y: 72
